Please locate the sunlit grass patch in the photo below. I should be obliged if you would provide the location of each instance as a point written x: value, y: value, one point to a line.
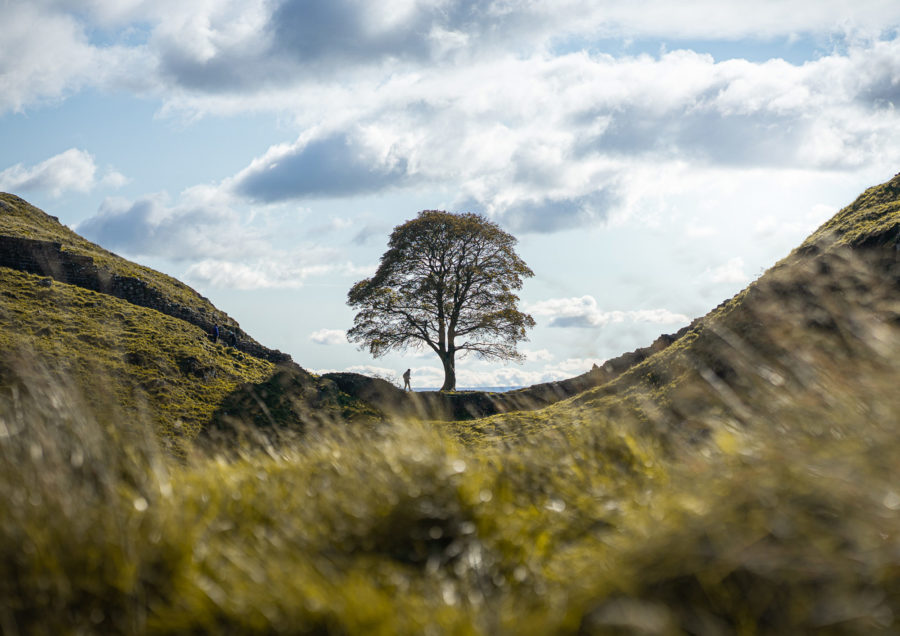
x: 117, y: 353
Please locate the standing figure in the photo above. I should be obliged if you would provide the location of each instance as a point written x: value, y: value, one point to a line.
x: 406, y: 385
x: 215, y: 333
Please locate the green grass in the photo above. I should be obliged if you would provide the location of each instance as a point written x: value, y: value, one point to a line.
x: 771, y: 353
x: 143, y: 362
x: 19, y: 218
x: 874, y: 213
x: 744, y: 480
x: 406, y: 530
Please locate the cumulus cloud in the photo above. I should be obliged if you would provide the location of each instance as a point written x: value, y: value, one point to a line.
x: 47, y: 54
x: 220, y: 245
x: 189, y: 230
x: 281, y: 269
x: 71, y: 170
x: 583, y: 312
x: 337, y: 164
x: 538, y: 134
x: 512, y: 104
x: 552, y: 215
x: 539, y: 355
x: 232, y: 45
x: 329, y: 337
x: 552, y: 144
x: 730, y: 272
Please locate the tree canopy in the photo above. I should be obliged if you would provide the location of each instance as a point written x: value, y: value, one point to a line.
x: 447, y: 281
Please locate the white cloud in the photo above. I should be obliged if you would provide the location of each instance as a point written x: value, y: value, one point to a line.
x: 229, y: 275
x: 114, y: 179
x: 552, y: 143
x: 329, y: 337
x: 540, y: 355
x: 200, y: 225
x: 281, y: 270
x: 337, y: 164
x: 46, y: 54
x: 72, y: 170
x: 583, y: 312
x: 556, y: 141
x: 222, y: 244
x: 730, y: 272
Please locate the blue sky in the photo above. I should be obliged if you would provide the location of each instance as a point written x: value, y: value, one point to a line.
x: 652, y: 157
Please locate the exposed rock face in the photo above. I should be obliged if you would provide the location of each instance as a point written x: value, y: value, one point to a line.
x: 47, y: 258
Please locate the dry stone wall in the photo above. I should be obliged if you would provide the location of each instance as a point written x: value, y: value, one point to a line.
x: 47, y: 258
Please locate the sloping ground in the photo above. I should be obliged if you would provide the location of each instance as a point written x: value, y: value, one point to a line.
x: 134, y: 341
x: 829, y: 313
x: 744, y: 481
x: 145, y: 363
x: 20, y: 218
x: 70, y: 259
x: 286, y: 404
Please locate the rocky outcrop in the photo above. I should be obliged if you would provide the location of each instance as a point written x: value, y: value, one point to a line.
x: 47, y: 258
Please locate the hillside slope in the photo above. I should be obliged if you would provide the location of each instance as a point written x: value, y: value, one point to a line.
x: 117, y: 354
x: 18, y: 218
x: 824, y: 321
x: 741, y: 480
x: 135, y: 342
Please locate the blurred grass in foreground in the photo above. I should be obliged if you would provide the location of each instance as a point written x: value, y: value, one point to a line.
x: 406, y: 530
x: 744, y: 480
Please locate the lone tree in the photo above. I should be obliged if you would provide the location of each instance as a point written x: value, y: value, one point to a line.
x: 446, y: 281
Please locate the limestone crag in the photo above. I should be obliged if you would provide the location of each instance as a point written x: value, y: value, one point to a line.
x: 47, y: 258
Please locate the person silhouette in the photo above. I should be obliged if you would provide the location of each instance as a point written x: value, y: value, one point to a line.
x: 406, y: 385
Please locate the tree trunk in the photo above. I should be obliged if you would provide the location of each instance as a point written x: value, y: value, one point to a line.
x: 449, y: 372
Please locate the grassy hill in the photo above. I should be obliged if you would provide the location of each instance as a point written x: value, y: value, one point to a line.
x: 20, y: 218
x: 740, y: 480
x: 134, y: 360
x: 115, y: 353
x: 821, y: 323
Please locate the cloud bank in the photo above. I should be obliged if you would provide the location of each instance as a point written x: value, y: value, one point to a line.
x: 71, y: 171
x: 520, y: 106
x: 583, y: 312
x: 329, y: 337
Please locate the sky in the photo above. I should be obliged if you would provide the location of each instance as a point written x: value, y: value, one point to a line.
x: 652, y: 158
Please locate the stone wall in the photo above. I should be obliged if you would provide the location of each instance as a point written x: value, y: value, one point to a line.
x: 47, y: 258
